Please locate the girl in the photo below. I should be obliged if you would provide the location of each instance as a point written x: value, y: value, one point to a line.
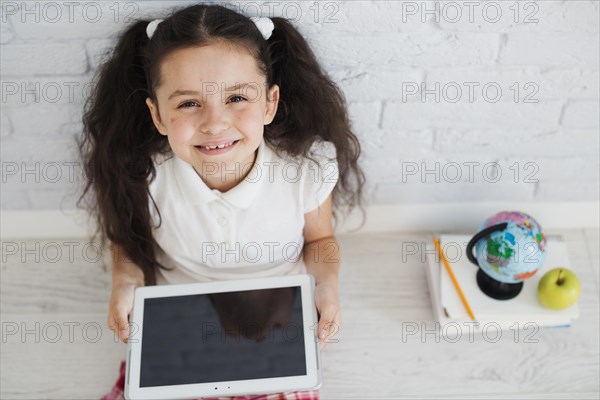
x: 214, y: 144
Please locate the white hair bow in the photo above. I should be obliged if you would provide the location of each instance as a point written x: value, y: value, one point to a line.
x: 265, y: 26
x: 151, y: 28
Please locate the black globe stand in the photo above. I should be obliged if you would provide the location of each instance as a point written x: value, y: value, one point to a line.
x: 488, y: 285
x: 496, y: 289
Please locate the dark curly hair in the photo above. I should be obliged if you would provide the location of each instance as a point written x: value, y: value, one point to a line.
x: 116, y: 148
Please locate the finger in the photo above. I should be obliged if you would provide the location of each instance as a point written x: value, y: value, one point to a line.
x: 332, y: 330
x: 328, y: 315
x: 338, y: 321
x: 114, y: 326
x: 322, y: 333
x: 327, y: 327
x: 324, y: 327
x: 111, y: 323
x: 123, y: 326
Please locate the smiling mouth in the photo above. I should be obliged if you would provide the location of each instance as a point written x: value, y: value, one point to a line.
x: 222, y: 146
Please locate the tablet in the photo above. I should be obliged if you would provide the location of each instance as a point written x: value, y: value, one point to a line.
x: 223, y: 338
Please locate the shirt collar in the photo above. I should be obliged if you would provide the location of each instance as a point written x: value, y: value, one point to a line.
x: 195, y: 192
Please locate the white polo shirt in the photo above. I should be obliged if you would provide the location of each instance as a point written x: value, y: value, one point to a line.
x: 253, y: 230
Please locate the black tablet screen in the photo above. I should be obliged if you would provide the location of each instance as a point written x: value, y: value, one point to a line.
x: 252, y: 334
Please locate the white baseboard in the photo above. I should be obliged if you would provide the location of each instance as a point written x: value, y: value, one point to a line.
x: 468, y: 217
x: 447, y: 217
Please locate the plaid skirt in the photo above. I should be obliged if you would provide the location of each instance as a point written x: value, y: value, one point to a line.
x: 116, y: 392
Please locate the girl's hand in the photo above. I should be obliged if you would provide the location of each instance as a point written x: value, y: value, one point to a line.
x: 126, y: 276
x: 120, y: 306
x: 328, y: 306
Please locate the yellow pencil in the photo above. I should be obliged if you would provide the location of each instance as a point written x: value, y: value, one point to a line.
x: 454, y: 281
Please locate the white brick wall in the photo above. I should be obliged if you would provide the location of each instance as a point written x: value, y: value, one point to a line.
x: 434, y: 88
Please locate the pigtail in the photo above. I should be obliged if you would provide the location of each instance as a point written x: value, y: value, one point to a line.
x: 119, y: 139
x: 312, y: 107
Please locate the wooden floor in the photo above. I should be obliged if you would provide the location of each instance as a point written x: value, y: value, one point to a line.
x: 56, y: 344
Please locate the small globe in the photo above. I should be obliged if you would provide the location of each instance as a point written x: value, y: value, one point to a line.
x: 515, y: 253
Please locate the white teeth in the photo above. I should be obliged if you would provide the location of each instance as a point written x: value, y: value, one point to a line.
x: 218, y: 147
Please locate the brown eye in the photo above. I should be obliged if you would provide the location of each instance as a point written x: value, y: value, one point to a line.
x: 184, y: 105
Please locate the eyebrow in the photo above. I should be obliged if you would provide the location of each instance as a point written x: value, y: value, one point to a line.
x: 193, y: 92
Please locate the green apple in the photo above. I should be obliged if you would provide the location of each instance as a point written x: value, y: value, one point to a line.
x: 559, y: 288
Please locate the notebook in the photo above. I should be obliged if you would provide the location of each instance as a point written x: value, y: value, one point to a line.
x: 517, y: 313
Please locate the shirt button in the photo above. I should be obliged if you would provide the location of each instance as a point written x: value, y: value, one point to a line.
x: 221, y: 220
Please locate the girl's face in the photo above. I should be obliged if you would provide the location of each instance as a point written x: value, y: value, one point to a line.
x: 201, y: 105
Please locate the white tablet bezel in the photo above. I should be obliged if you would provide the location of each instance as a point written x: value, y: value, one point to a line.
x: 312, y: 380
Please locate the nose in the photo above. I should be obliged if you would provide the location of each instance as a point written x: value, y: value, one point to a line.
x: 214, y: 119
